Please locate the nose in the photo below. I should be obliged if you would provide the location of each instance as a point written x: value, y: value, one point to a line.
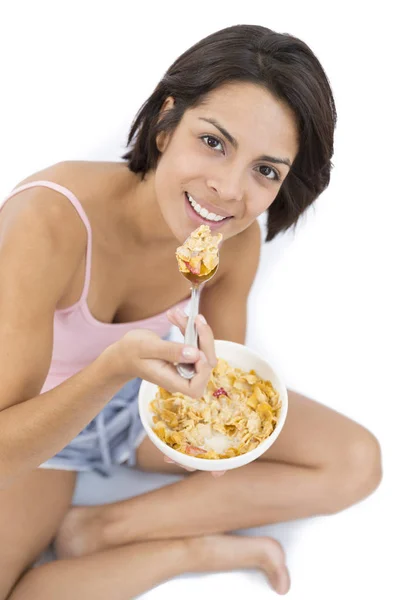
x: 228, y: 185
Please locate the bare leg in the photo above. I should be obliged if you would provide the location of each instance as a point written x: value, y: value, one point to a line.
x: 31, y: 511
x: 198, y: 505
x: 126, y: 572
x: 321, y: 463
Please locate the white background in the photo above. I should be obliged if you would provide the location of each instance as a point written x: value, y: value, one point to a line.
x: 324, y: 308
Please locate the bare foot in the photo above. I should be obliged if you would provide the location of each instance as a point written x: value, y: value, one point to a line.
x: 273, y: 563
x: 229, y: 552
x: 79, y: 533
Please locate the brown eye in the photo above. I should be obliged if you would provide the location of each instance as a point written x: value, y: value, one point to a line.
x: 268, y: 172
x: 212, y: 142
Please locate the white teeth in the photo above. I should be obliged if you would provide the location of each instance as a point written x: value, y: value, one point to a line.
x: 204, y: 212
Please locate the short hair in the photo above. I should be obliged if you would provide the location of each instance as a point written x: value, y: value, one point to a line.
x: 282, y: 64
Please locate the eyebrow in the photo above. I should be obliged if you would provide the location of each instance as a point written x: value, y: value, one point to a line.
x: 234, y: 142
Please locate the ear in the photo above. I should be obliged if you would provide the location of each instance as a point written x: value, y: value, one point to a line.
x: 162, y: 138
x: 167, y: 104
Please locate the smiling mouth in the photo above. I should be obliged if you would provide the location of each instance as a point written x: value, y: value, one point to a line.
x: 204, y: 213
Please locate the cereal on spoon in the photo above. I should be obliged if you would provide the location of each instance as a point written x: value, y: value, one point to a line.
x: 199, y: 254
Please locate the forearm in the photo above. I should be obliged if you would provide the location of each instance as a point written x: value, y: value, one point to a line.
x: 36, y: 429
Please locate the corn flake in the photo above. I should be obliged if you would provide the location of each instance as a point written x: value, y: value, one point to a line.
x: 237, y: 412
x: 199, y: 253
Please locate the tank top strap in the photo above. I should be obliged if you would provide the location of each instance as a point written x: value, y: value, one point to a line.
x: 79, y: 209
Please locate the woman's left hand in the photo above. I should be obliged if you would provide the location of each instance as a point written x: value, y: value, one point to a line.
x: 178, y: 318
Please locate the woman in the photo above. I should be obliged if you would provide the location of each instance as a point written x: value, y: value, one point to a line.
x: 242, y: 123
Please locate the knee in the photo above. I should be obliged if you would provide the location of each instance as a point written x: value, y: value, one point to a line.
x: 358, y: 470
x: 365, y: 464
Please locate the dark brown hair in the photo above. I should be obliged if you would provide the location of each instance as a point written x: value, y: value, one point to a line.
x: 279, y: 62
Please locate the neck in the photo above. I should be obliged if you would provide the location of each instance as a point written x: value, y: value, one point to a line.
x: 142, y: 216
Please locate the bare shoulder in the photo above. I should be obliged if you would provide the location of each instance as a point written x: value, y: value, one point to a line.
x: 53, y: 172
x: 98, y: 185
x: 224, y: 301
x: 42, y: 242
x: 240, y: 255
x: 82, y: 178
x: 41, y: 217
x: 64, y: 167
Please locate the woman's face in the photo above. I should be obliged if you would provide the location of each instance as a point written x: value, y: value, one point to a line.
x: 226, y: 160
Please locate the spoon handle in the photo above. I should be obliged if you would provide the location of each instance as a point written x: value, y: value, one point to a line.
x: 187, y: 370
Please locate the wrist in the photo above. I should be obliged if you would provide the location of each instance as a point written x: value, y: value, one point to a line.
x: 113, y: 365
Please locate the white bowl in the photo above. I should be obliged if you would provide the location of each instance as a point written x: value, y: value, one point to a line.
x: 237, y: 356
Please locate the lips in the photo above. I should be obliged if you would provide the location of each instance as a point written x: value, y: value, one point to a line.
x: 210, y: 208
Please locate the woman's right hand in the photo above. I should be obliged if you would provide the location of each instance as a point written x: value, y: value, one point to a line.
x: 142, y: 353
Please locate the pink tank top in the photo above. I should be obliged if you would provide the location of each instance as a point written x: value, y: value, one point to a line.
x: 79, y: 338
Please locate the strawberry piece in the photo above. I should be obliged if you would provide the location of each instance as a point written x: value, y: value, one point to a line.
x: 220, y: 392
x: 193, y: 450
x: 193, y: 269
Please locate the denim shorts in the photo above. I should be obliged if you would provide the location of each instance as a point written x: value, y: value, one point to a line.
x: 111, y: 438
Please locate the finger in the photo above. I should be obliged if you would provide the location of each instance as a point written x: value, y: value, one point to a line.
x: 217, y: 474
x: 171, y: 352
x: 197, y: 385
x: 169, y: 461
x: 169, y: 379
x: 178, y: 318
x: 206, y: 340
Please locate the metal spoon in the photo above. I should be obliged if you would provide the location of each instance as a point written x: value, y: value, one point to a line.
x: 191, y: 339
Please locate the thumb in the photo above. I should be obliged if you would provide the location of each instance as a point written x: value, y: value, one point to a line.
x: 172, y: 352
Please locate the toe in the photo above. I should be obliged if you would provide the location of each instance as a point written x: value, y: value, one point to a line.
x: 281, y: 582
